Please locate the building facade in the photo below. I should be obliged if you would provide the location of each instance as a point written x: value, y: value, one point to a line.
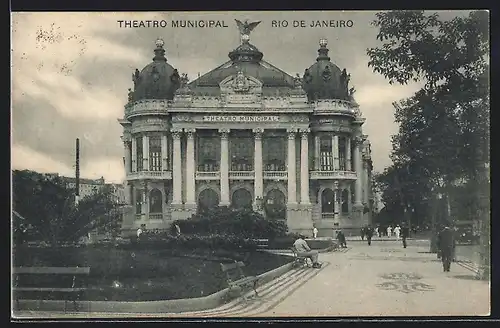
x: 91, y: 186
x: 246, y: 134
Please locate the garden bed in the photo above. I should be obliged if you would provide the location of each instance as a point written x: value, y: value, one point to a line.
x: 142, y: 274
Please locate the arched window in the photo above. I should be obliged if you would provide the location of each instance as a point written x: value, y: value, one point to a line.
x: 275, y: 204
x: 241, y: 199
x: 155, y: 201
x: 207, y: 199
x: 327, y: 205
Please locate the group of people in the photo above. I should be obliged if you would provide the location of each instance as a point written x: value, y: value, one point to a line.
x: 446, y: 243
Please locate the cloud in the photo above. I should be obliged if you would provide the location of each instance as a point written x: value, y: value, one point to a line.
x: 23, y: 157
x: 110, y: 168
x: 50, y: 53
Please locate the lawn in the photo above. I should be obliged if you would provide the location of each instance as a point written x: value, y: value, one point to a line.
x: 119, y: 274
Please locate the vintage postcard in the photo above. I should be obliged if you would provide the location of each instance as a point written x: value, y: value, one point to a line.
x: 250, y: 164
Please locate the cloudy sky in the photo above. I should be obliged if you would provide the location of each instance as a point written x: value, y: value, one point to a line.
x: 71, y: 72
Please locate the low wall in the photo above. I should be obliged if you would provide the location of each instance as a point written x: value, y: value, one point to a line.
x: 167, y: 306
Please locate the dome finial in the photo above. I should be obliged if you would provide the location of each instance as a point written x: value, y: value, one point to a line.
x: 159, y: 51
x: 159, y: 43
x: 323, y: 50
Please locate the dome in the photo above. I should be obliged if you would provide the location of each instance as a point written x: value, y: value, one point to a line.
x: 158, y: 80
x: 246, y: 58
x: 324, y: 79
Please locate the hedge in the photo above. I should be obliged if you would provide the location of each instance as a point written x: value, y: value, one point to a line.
x: 243, y: 223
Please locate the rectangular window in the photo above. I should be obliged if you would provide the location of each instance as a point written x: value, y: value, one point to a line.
x: 138, y: 201
x: 326, y: 155
x: 208, y: 153
x: 274, y: 152
x: 342, y: 153
x: 241, y: 150
x: 139, y: 154
x: 155, y: 153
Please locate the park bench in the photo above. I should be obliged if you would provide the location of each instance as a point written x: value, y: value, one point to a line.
x: 236, y: 278
x: 299, y: 260
x: 47, y: 282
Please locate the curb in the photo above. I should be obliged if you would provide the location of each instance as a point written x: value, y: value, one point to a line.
x: 167, y: 306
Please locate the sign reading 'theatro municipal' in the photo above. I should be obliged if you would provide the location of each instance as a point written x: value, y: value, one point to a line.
x: 240, y: 118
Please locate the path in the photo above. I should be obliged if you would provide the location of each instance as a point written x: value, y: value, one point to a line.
x: 381, y: 280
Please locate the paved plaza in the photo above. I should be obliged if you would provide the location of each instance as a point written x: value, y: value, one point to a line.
x: 379, y: 280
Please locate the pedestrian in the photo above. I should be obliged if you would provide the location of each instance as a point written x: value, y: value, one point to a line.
x: 389, y: 231
x: 177, y: 230
x: 377, y: 233
x: 369, y: 234
x: 397, y: 231
x: 303, y: 249
x: 362, y: 233
x: 405, y: 233
x: 315, y: 232
x: 341, y: 239
x: 139, y: 233
x: 446, y: 243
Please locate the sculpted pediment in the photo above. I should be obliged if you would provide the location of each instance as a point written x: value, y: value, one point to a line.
x: 241, y: 84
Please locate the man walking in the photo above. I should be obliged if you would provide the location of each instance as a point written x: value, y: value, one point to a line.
x: 369, y: 234
x: 315, y: 232
x: 405, y: 233
x: 446, y: 243
x: 303, y: 249
x: 341, y: 239
x: 363, y: 231
x: 397, y: 231
x: 389, y: 231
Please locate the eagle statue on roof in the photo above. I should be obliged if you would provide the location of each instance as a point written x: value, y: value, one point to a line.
x: 246, y: 27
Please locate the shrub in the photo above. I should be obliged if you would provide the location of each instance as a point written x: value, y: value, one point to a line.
x: 242, y: 223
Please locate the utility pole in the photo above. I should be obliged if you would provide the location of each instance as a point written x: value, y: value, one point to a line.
x: 77, y: 173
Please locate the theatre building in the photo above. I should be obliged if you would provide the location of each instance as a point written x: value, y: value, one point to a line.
x: 246, y: 134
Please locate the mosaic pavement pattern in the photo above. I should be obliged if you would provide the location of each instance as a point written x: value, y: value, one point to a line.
x: 404, y: 283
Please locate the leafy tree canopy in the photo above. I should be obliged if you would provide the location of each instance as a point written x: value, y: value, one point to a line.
x: 46, y: 207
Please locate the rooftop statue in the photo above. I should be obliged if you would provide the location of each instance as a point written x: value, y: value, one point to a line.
x: 245, y: 28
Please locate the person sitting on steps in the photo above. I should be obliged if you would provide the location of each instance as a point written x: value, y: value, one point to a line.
x: 303, y: 249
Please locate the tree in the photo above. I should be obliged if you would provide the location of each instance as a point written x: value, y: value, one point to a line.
x: 444, y: 127
x: 47, y: 206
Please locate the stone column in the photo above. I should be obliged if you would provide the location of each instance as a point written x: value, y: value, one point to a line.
x: 164, y: 153
x: 366, y: 183
x: 358, y: 165
x: 349, y: 200
x: 258, y: 182
x: 145, y: 199
x: 304, y: 167
x: 292, y: 181
x: 224, y: 167
x: 317, y: 146
x: 145, y: 153
x: 335, y: 152
x: 190, y: 168
x: 134, y: 154
x: 177, y: 167
x: 336, y: 198
x: 126, y: 146
x: 348, y: 161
